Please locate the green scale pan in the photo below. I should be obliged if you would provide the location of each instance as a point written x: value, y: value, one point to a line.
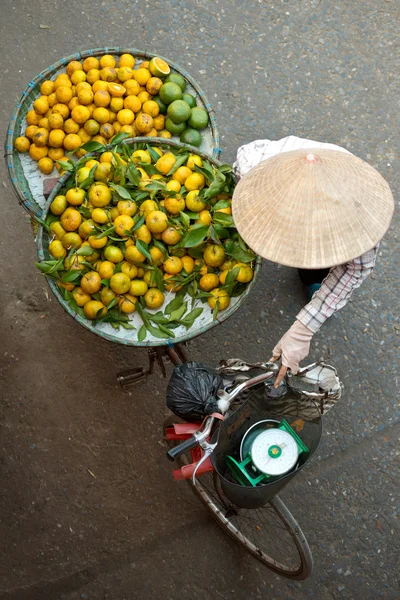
x: 268, y: 450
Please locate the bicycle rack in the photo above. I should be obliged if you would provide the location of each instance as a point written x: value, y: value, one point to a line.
x: 160, y: 356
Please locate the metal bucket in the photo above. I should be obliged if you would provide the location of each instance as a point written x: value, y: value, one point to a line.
x: 231, y: 431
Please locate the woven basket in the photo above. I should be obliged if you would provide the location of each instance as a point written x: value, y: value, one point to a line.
x: 127, y: 337
x: 18, y: 165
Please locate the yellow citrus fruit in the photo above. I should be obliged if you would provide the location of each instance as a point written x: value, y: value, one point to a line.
x: 195, y: 181
x: 144, y: 96
x: 153, y: 85
x: 44, y: 123
x: 141, y: 75
x: 127, y: 303
x: 193, y: 202
x: 174, y: 204
x: 102, y: 98
x: 227, y: 265
x: 58, y: 205
x: 157, y: 221
x: 85, y: 137
x: 71, y: 219
x: 52, y: 99
x: 173, y: 265
x: 204, y: 217
x: 151, y: 108
x: 108, y: 74
x: 122, y: 224
x: 62, y: 109
x: 193, y: 160
x: 70, y: 126
x: 74, y: 102
x: 80, y: 114
x: 90, y: 63
x: 55, y: 153
x: 37, y: 153
x: 66, y: 286
x: 188, y: 264
x: 107, y: 130
x: 102, y: 172
x: 64, y: 94
x: 56, y: 138
x: 150, y: 279
x: 125, y: 116
x: 30, y: 131
x: 214, y: 255
x: 124, y: 74
x: 106, y: 269
x: 113, y: 254
x: 41, y: 137
x: 138, y: 287
x: 40, y: 106
x: 72, y: 141
x: 154, y: 298
x: 99, y: 138
x: 86, y: 228
x: 96, y: 242
x: 107, y: 295
x: 101, y: 115
x: 132, y: 254
x: 92, y: 76
x: 100, y: 216
x: 57, y: 230
x: 85, y: 97
x: 47, y: 87
x: 81, y: 297
x: 143, y: 234
x: 127, y: 207
x: 22, y: 144
x: 117, y: 104
x: 91, y: 127
x: 107, y: 60
x: 131, y: 131
x: 73, y: 240
x: 56, y: 121
x: 142, y: 156
x: 99, y: 85
x: 32, y: 118
x: 116, y: 90
x: 94, y: 309
x: 159, y: 123
x: 132, y: 87
x: 78, y: 76
x: 157, y: 255
x: 126, y: 60
x: 245, y: 273
x: 99, y: 195
x: 128, y: 269
x: 181, y: 175
x: 165, y: 163
x: 73, y: 66
x: 169, y: 284
x: 220, y: 296
x: 171, y: 236
x: 174, y: 186
x: 56, y: 249
x: 46, y: 165
x: 120, y: 283
x: 222, y: 277
x: 144, y: 123
x: 208, y: 282
x: 84, y: 85
x: 227, y: 210
x: 158, y: 67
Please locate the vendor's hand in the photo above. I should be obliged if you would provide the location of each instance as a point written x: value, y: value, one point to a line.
x: 292, y: 347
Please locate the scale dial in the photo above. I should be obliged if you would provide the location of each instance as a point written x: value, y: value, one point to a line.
x: 274, y: 452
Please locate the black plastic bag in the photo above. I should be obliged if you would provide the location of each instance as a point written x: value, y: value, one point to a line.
x: 191, y: 391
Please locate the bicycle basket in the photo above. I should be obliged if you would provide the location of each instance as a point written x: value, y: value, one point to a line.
x: 261, y: 406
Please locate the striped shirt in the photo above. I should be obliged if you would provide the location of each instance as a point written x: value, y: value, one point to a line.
x: 342, y: 280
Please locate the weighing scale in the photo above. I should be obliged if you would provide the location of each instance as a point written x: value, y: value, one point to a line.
x: 269, y: 449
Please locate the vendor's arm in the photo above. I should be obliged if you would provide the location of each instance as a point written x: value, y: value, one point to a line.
x: 334, y: 293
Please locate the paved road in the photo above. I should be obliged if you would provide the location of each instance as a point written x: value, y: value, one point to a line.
x: 88, y: 508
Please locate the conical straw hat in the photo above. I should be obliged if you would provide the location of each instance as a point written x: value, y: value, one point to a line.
x: 312, y: 208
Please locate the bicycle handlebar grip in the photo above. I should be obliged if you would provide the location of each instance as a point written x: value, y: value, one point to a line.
x: 182, y: 448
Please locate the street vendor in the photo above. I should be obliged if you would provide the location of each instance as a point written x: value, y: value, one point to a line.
x: 316, y: 207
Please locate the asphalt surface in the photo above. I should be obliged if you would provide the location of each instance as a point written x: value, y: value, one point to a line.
x: 88, y: 507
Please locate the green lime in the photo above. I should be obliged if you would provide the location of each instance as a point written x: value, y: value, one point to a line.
x: 178, y: 111
x: 189, y: 99
x: 178, y: 79
x: 163, y: 107
x: 174, y: 128
x: 191, y: 137
x: 169, y: 92
x: 198, y: 118
x: 158, y: 67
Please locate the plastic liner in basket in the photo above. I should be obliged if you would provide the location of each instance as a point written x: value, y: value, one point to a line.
x: 260, y: 406
x: 191, y: 391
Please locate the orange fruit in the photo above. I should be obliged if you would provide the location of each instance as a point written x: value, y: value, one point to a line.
x: 119, y: 283
x: 116, y: 90
x: 85, y: 97
x: 214, y: 255
x: 41, y: 137
x: 156, y: 221
x: 70, y: 126
x: 154, y: 298
x: 181, y: 174
x: 64, y: 94
x: 78, y: 76
x: 41, y: 106
x: 132, y: 103
x: 220, y: 296
x: 106, y: 269
x: 144, y: 123
x: 92, y: 76
x: 62, y: 109
x: 174, y: 204
x: 71, y: 219
x: 144, y: 96
x: 99, y: 195
x: 30, y: 131
x: 56, y: 121
x: 47, y: 87
x: 151, y: 108
x: 101, y: 115
x: 209, y: 282
x: 116, y: 104
x: 99, y: 85
x: 188, y: 264
x: 46, y: 165
x: 90, y: 63
x: 56, y: 138
x: 127, y: 207
x: 36, y: 152
x: 132, y: 254
x: 108, y: 74
x: 141, y: 75
x: 75, y: 196
x: 102, y: 98
x: 73, y: 66
x: 128, y: 269
x: 107, y: 60
x: 171, y: 236
x: 94, y: 309
x: 159, y: 122
x: 72, y: 141
x: 127, y: 303
x: 125, y: 116
x: 22, y: 144
x: 153, y: 85
x: 126, y: 60
x: 122, y: 224
x: 55, y: 153
x: 32, y: 118
x: 132, y: 87
x: 52, y: 99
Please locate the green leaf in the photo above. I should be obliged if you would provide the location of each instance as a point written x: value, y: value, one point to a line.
x: 205, y: 170
x: 117, y: 139
x: 139, y: 223
x: 144, y: 249
x: 221, y: 232
x: 154, y: 155
x: 213, y: 234
x: 71, y: 276
x: 223, y: 219
x: 166, y: 330
x: 92, y: 147
x: 66, y: 166
x: 216, y: 186
x: 126, y: 325
x: 142, y: 333
x: 105, y: 282
x: 178, y: 163
x: 221, y: 204
x: 175, y: 303
x: 133, y: 175
x: 149, y: 169
x: 185, y: 219
x: 178, y: 313
x: 160, y: 246
x: 194, y: 237
x: 196, y: 252
x: 241, y: 255
x: 121, y: 191
x: 85, y: 251
x: 113, y: 302
x: 232, y: 274
x: 159, y: 317
x: 191, y: 317
x: 105, y: 233
x: 216, y: 310
x: 85, y: 211
x: 159, y: 280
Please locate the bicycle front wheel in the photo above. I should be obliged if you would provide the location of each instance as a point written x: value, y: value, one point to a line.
x: 270, y: 533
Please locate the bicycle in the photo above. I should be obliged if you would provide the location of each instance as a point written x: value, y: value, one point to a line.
x: 263, y: 525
